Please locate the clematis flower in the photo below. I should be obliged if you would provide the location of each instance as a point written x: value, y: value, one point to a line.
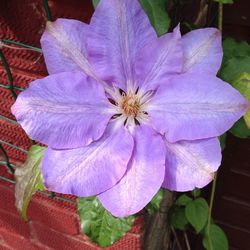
x: 124, y: 112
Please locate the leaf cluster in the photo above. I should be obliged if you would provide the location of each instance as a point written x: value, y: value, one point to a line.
x: 236, y: 71
x: 193, y: 211
x: 100, y: 225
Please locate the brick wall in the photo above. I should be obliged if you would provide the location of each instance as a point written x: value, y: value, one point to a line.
x: 53, y: 224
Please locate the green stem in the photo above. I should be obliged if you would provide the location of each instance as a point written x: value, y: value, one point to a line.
x: 210, y: 211
x: 47, y: 10
x: 220, y: 17
x: 9, y: 75
x: 220, y: 23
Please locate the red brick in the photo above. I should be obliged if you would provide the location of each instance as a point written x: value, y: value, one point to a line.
x: 128, y: 242
x: 137, y: 227
x: 14, y: 224
x: 7, y: 198
x: 57, y: 240
x: 59, y: 215
x: 18, y: 242
x: 3, y: 247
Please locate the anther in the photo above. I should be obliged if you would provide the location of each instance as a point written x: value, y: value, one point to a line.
x: 122, y: 93
x: 112, y: 101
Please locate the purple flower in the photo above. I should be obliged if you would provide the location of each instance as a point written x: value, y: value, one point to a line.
x: 123, y: 112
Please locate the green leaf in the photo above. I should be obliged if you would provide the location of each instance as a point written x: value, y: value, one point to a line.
x: 99, y: 224
x: 197, y: 213
x: 154, y: 205
x: 157, y: 13
x: 28, y: 179
x: 222, y: 139
x: 196, y: 192
x: 247, y: 118
x: 215, y: 239
x: 236, y: 58
x: 224, y: 1
x: 232, y: 48
x: 95, y: 3
x: 242, y: 84
x: 183, y: 200
x: 234, y: 67
x: 240, y: 129
x: 178, y: 218
x: 236, y: 70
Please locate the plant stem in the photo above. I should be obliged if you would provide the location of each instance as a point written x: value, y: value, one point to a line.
x: 187, y: 241
x: 176, y: 238
x: 210, y: 211
x: 220, y: 25
x: 157, y: 229
x: 220, y: 16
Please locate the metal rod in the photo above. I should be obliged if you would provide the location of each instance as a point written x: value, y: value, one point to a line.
x: 47, y: 10
x: 13, y: 146
x: 7, y: 68
x: 7, y: 159
x: 21, y: 44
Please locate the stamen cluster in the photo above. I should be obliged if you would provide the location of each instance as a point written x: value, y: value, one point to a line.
x: 131, y: 106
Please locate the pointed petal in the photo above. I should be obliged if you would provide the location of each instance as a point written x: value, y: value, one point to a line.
x: 63, y: 46
x: 191, y: 164
x: 89, y: 170
x: 119, y: 29
x: 65, y: 110
x: 159, y: 59
x: 143, y: 178
x: 191, y: 106
x: 202, y: 50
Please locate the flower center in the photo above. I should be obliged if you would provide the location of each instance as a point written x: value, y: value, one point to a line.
x: 130, y: 108
x: 130, y: 104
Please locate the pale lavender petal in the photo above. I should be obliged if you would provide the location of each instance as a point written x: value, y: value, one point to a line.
x: 194, y: 106
x: 64, y: 110
x: 191, y: 164
x: 159, y: 59
x: 143, y: 178
x: 119, y: 29
x: 89, y: 170
x: 202, y: 50
x: 64, y: 46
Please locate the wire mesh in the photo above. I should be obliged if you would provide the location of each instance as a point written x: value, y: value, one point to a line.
x: 10, y: 86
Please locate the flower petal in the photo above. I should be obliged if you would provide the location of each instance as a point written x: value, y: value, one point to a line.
x: 63, y: 46
x: 65, y: 110
x: 191, y: 164
x: 143, y: 178
x: 202, y: 50
x: 159, y: 59
x: 191, y: 106
x: 119, y: 29
x: 89, y: 170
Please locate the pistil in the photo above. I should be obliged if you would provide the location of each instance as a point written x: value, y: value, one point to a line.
x: 130, y: 104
